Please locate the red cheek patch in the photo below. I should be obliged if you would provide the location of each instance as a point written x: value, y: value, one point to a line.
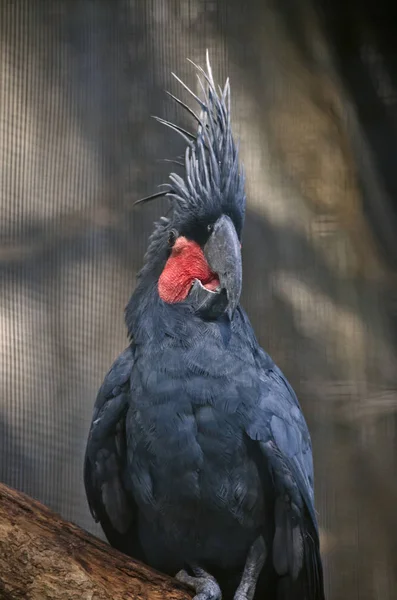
x: 186, y: 263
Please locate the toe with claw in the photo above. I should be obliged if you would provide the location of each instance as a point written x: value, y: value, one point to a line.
x: 204, y: 584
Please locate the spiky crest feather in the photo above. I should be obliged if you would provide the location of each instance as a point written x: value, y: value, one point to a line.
x: 214, y: 179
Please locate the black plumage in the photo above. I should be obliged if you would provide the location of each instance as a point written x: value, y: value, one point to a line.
x: 198, y: 455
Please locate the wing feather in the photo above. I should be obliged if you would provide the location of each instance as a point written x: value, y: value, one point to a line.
x: 280, y: 429
x: 105, y: 457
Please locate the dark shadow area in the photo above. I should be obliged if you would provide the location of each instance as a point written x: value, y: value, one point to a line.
x: 363, y: 39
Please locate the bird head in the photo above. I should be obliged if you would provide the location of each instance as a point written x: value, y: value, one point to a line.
x: 194, y: 256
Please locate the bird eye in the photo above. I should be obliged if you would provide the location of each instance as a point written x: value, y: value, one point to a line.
x: 172, y: 236
x: 210, y: 227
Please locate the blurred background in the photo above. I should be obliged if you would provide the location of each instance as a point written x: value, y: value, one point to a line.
x: 314, y: 103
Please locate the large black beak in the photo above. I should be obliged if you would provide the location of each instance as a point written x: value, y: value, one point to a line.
x: 223, y: 254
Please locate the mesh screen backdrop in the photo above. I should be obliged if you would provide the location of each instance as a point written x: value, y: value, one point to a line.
x: 79, y: 81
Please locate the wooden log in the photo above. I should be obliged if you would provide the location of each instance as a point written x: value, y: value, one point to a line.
x: 44, y: 557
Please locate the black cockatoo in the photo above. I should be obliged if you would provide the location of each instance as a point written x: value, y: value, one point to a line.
x: 199, y: 460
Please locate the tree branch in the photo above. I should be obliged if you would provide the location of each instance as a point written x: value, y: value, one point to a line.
x: 44, y: 557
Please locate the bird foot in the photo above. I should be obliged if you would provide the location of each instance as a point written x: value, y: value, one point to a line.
x: 253, y: 567
x: 204, y: 584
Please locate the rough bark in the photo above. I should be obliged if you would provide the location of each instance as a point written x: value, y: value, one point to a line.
x: 42, y: 556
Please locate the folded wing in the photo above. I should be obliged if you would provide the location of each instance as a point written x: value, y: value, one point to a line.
x: 105, y: 460
x: 280, y: 429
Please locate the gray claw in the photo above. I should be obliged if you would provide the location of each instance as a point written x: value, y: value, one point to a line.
x: 205, y: 586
